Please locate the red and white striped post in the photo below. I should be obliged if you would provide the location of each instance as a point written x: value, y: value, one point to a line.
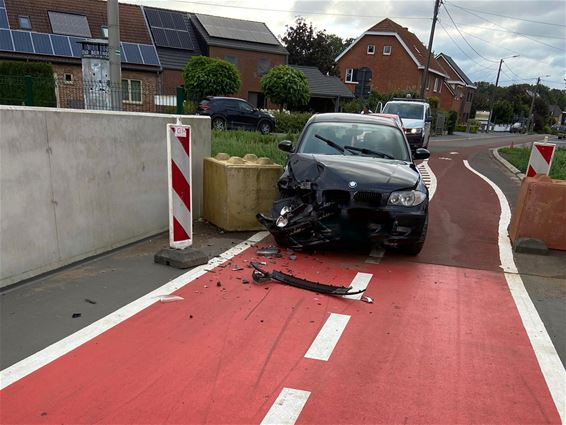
x: 179, y: 171
x: 540, y: 160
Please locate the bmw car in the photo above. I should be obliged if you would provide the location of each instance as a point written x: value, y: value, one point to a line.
x: 350, y: 177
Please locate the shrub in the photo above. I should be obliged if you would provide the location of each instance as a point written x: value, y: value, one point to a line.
x: 286, y: 86
x: 13, y: 83
x: 451, y: 122
x: 206, y: 76
x: 291, y: 122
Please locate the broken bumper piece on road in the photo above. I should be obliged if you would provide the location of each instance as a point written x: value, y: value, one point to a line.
x: 261, y: 276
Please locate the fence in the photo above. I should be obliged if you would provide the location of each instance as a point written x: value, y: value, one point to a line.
x: 130, y: 96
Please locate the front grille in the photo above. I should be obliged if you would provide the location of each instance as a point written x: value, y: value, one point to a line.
x: 369, y: 198
x: 337, y: 196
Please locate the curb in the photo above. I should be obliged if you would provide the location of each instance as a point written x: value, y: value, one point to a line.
x: 518, y: 173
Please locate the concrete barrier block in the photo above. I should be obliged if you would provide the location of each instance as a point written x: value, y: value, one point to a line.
x: 540, y: 212
x: 236, y: 189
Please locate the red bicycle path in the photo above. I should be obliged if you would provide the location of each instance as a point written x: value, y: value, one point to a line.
x: 442, y: 343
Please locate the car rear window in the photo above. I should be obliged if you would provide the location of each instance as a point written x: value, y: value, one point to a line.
x: 412, y: 111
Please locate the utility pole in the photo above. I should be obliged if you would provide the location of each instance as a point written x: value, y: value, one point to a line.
x: 430, y: 40
x: 494, y: 90
x: 114, y: 53
x: 532, y: 106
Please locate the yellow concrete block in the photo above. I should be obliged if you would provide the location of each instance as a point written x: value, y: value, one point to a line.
x: 236, y: 189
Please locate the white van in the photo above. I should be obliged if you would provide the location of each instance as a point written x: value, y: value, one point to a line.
x: 416, y: 117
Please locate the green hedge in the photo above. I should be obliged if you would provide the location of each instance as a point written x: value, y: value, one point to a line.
x: 519, y: 157
x: 240, y: 143
x: 13, y: 83
x: 291, y: 122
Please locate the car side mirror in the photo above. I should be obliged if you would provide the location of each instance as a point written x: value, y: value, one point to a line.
x: 286, y: 145
x: 421, y: 153
x: 428, y: 119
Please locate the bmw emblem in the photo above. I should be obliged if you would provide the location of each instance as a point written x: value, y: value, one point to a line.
x: 353, y: 185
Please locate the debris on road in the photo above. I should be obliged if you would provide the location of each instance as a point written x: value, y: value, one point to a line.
x: 170, y: 298
x: 270, y: 251
x: 262, y: 276
x: 87, y: 300
x: 367, y: 299
x: 237, y: 269
x: 75, y: 315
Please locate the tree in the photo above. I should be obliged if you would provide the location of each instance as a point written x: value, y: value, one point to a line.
x: 310, y: 47
x: 502, y: 112
x: 206, y: 76
x: 286, y: 86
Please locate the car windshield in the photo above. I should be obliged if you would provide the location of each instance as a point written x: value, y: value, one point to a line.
x: 364, y: 139
x: 405, y: 110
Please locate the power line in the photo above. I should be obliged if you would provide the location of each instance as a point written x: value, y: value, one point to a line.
x: 511, y: 71
x: 305, y: 12
x: 492, y: 44
x: 507, y: 16
x: 509, y: 31
x: 464, y: 38
x: 513, y: 32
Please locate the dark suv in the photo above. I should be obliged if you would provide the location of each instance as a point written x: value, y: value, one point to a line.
x: 230, y: 112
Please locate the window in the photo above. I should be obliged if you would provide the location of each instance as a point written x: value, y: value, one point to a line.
x: 245, y: 107
x: 263, y: 67
x: 68, y: 78
x: 132, y: 91
x: 24, y: 22
x: 69, y: 24
x: 351, y: 75
x: 435, y: 84
x: 386, y: 50
x: 440, y: 86
x: 232, y: 59
x: 371, y: 49
x: 104, y: 31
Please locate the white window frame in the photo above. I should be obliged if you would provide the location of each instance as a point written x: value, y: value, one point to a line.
x: 104, y: 31
x: 386, y: 50
x: 24, y: 27
x: 70, y: 80
x: 129, y: 100
x: 371, y: 49
x: 350, y: 81
x: 435, y: 88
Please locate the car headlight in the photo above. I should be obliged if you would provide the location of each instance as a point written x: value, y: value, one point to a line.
x: 416, y: 130
x: 406, y: 198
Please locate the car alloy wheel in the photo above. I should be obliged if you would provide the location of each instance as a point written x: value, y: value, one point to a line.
x: 219, y: 124
x: 265, y: 127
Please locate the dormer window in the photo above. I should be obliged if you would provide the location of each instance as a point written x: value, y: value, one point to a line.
x: 371, y: 49
x: 25, y: 22
x: 104, y: 31
x: 386, y: 50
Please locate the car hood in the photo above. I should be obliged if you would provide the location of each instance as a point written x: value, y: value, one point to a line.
x: 337, y: 172
x: 412, y: 123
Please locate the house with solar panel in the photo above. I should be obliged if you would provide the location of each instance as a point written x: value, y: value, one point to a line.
x: 59, y: 31
x: 460, y: 89
x: 249, y: 45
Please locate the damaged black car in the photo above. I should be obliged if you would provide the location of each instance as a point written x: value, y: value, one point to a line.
x: 350, y: 178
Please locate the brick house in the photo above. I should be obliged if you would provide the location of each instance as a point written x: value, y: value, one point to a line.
x: 459, y: 91
x: 51, y: 31
x: 388, y: 57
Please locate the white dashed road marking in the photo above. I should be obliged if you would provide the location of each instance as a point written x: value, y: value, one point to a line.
x: 328, y: 337
x: 287, y: 407
x: 361, y: 281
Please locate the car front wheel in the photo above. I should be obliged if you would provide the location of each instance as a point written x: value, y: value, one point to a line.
x: 265, y: 127
x: 219, y: 124
x: 416, y: 247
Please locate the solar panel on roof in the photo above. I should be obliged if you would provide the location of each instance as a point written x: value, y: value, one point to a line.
x: 149, y: 54
x: 3, y: 19
x: 133, y: 54
x: 169, y: 29
x: 22, y: 41
x: 153, y: 18
x: 256, y: 32
x: 76, y: 46
x: 42, y: 43
x: 6, y: 43
x: 61, y: 45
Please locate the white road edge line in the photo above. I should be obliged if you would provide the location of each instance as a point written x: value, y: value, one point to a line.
x: 287, y: 407
x: 361, y: 281
x: 328, y: 336
x: 36, y: 361
x: 549, y: 362
x: 433, y: 181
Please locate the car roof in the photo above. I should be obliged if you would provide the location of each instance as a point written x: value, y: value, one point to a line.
x: 345, y: 117
x: 223, y: 98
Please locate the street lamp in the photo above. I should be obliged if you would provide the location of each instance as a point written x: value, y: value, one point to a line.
x: 531, y: 120
x: 493, y: 95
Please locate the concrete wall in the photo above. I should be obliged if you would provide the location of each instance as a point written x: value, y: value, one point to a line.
x: 78, y: 183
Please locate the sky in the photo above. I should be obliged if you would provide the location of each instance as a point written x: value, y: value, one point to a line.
x: 476, y: 34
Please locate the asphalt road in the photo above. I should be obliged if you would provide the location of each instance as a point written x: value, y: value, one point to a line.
x: 443, y: 342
